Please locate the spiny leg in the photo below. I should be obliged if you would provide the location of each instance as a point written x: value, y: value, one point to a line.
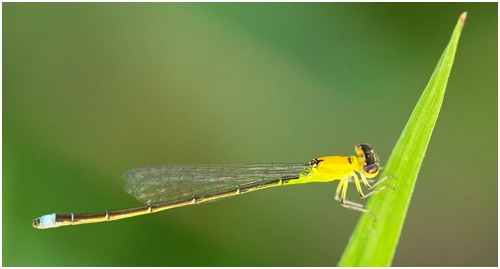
x: 349, y: 204
x: 375, y: 191
x: 365, y: 181
x: 361, y: 209
x: 380, y: 181
x: 339, y: 190
x: 344, y: 191
x: 358, y: 186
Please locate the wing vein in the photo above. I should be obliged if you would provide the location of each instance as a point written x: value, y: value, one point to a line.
x: 177, y: 182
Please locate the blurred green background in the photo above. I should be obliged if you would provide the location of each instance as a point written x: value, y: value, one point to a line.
x: 92, y: 90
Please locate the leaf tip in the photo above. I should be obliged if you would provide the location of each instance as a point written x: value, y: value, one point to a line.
x: 463, y: 16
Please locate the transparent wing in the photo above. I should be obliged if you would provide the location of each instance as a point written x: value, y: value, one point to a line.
x: 177, y: 182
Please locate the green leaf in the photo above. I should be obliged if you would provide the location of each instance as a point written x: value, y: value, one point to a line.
x: 374, y: 243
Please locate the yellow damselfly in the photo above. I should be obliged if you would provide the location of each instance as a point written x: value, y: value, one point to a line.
x: 167, y: 186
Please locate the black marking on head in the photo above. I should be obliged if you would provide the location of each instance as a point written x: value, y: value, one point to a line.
x: 368, y: 153
x: 370, y: 165
x: 349, y: 159
x: 364, y: 146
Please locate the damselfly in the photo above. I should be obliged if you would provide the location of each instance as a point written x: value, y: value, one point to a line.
x: 167, y: 186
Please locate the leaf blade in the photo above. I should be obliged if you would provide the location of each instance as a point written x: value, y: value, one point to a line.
x: 374, y: 243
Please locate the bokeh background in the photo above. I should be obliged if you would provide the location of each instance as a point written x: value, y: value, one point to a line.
x: 92, y: 90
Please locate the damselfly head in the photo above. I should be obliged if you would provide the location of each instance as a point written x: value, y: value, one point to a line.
x: 369, y: 160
